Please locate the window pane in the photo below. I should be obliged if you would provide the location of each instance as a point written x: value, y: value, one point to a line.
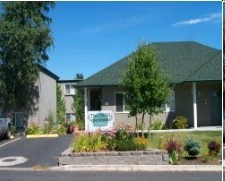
x: 67, y: 89
x: 72, y: 89
x: 119, y: 102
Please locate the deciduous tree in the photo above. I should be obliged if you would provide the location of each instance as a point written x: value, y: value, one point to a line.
x: 145, y: 83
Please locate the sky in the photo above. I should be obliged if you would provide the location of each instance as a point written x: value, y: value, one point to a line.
x: 90, y: 36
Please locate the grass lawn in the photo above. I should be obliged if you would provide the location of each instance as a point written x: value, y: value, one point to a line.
x: 157, y: 140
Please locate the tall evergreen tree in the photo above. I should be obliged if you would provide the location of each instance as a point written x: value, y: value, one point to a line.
x: 25, y: 37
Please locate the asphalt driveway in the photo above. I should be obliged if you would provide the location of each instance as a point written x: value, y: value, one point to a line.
x: 37, y: 151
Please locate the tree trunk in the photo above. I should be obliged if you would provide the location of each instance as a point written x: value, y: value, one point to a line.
x: 142, y: 125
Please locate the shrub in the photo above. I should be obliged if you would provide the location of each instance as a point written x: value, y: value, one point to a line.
x: 61, y: 130
x: 141, y: 143
x: 124, y: 140
x: 214, y: 148
x: 174, y: 150
x: 33, y: 130
x: 192, y: 147
x: 126, y: 145
x: 88, y: 142
x: 180, y: 122
x: 109, y: 138
x: 157, y: 125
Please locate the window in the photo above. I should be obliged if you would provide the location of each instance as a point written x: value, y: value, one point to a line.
x: 120, y: 103
x: 70, y: 89
x: 170, y: 103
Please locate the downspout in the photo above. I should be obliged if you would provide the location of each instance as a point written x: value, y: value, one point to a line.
x: 86, y: 109
x: 194, y: 105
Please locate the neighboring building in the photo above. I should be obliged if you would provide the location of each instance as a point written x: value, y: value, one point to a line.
x: 44, y: 97
x: 196, y: 72
x: 68, y: 91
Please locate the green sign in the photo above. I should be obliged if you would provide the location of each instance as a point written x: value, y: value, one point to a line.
x: 100, y: 119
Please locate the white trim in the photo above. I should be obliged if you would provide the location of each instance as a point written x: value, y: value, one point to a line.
x: 86, y: 108
x: 70, y: 88
x: 194, y: 105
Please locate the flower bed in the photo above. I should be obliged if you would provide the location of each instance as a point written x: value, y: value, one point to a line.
x: 118, y: 140
x: 117, y: 147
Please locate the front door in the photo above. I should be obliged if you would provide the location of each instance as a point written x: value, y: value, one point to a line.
x: 216, y: 107
x: 95, y: 100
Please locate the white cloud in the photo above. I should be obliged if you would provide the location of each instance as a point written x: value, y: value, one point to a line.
x: 209, y: 18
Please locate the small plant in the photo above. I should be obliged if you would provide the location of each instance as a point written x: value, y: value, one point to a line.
x: 157, y: 125
x: 33, y: 130
x: 174, y: 150
x: 88, y: 142
x: 61, y: 130
x: 214, y: 148
x: 109, y: 138
x: 174, y: 158
x: 180, y: 122
x: 141, y: 143
x: 192, y: 147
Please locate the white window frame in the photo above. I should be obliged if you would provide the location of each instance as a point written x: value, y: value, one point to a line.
x: 124, y: 105
x: 70, y: 89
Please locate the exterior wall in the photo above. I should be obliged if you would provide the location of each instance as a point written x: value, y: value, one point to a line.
x: 209, y: 106
x: 108, y: 103
x: 209, y: 103
x: 68, y: 99
x: 46, y: 105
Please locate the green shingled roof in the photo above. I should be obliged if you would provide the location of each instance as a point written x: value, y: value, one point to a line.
x: 186, y: 62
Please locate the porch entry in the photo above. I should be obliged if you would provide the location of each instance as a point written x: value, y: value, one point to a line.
x: 216, y: 107
x: 95, y: 99
x: 209, y: 107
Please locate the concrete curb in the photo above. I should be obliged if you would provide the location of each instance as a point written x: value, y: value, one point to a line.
x: 43, y: 136
x: 148, y: 168
x: 124, y: 168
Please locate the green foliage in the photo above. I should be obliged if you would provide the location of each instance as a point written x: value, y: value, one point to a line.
x: 192, y: 147
x: 157, y: 125
x: 214, y: 148
x: 61, y: 130
x: 174, y: 157
x: 110, y: 140
x: 174, y: 150
x: 61, y: 107
x: 88, y: 142
x: 33, y: 130
x: 124, y: 140
x: 25, y: 38
x: 145, y: 83
x: 141, y: 143
x: 78, y: 105
x: 180, y: 122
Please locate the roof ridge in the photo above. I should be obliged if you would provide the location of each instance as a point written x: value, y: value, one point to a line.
x: 205, y: 63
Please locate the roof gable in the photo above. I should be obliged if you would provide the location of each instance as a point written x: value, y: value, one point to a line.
x: 186, y: 61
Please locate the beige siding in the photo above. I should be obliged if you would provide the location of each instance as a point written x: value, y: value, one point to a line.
x: 209, y: 107
x: 68, y: 98
x: 46, y: 105
x: 184, y: 102
x: 108, y: 103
